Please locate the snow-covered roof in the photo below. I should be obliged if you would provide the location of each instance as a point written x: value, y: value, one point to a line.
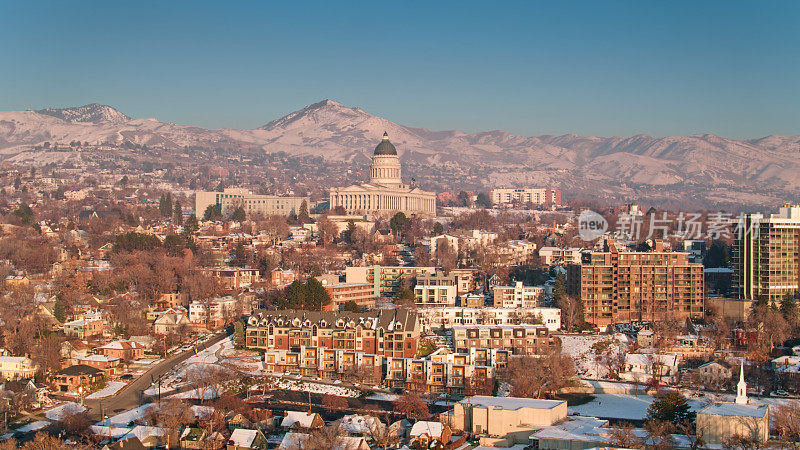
x: 641, y: 359
x: 734, y: 410
x: 303, y: 419
x: 358, y: 424
x: 243, y: 438
x: 432, y: 429
x: 576, y: 428
x: 512, y: 403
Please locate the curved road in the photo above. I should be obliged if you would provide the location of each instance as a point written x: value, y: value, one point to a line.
x: 132, y: 395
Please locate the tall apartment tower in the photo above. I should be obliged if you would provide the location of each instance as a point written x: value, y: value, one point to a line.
x: 766, y: 255
x: 620, y: 287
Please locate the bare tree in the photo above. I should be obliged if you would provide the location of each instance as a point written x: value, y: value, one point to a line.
x: 787, y: 421
x: 539, y: 376
x: 622, y: 435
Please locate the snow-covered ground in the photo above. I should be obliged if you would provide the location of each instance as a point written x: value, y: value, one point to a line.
x: 209, y: 393
x: 33, y: 426
x: 110, y: 389
x: 315, y: 388
x: 65, y: 410
x: 579, y: 347
x: 124, y: 418
x: 622, y: 406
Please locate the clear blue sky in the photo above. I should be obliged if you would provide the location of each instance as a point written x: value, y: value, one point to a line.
x: 533, y: 67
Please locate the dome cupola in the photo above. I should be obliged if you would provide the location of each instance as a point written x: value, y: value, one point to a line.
x: 385, y: 147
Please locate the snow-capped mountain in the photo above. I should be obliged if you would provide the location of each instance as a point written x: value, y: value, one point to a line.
x: 708, y: 167
x: 92, y: 113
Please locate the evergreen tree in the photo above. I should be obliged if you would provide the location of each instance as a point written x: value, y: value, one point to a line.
x: 789, y: 307
x: 174, y: 245
x: 24, y: 213
x: 671, y: 407
x: 59, y: 311
x: 351, y: 306
x: 212, y: 212
x: 177, y: 214
x: 238, y: 334
x: 347, y: 235
x: 397, y: 223
x: 239, y: 215
x: 190, y: 226
x: 303, y: 216
x: 317, y: 295
x: 559, y: 287
x: 296, y: 294
x: 438, y: 229
x: 483, y: 200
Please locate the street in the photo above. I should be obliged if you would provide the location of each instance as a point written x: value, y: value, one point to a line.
x: 132, y: 395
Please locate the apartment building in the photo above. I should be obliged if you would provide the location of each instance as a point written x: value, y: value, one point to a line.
x: 448, y: 317
x: 233, y: 278
x: 766, y: 255
x: 84, y: 328
x: 439, y: 376
x: 537, y: 196
x: 552, y: 256
x: 465, y: 280
x: 385, y: 280
x: 328, y: 363
x: 619, y: 287
x: 213, y: 313
x: 362, y: 294
x: 523, y: 339
x: 392, y: 333
x: 232, y: 198
x: 436, y: 290
x: 517, y: 296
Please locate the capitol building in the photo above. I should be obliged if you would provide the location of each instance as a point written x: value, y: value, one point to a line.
x: 385, y: 194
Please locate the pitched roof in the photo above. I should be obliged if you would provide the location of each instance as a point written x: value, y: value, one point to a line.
x: 432, y: 429
x: 79, y: 369
x: 243, y: 438
x: 734, y: 410
x: 303, y: 419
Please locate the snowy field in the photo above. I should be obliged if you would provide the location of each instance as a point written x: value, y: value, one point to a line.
x: 62, y: 411
x: 579, y: 347
x: 33, y: 426
x: 110, y: 389
x: 314, y: 388
x: 621, y: 406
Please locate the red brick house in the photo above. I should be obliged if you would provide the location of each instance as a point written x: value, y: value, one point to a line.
x: 73, y: 377
x: 123, y: 349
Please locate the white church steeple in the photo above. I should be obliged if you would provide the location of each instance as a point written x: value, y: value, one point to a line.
x: 741, y: 388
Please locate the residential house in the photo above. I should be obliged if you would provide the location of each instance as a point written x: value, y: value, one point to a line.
x: 170, y: 324
x: 84, y: 328
x: 298, y: 420
x: 242, y: 439
x: 427, y: 434
x: 17, y: 367
x: 125, y: 350
x: 642, y: 367
x: 74, y: 377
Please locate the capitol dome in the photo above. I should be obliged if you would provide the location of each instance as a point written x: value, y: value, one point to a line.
x: 385, y: 147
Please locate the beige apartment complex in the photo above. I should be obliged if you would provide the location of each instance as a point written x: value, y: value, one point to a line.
x: 766, y: 255
x: 619, y: 287
x: 537, y: 196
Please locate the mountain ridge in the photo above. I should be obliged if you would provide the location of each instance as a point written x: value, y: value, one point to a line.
x: 704, y: 163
